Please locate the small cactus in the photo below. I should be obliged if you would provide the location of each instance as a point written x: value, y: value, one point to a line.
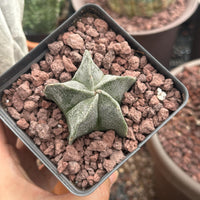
x: 90, y: 101
x: 143, y: 8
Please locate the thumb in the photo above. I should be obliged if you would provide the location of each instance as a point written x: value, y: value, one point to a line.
x: 102, y: 192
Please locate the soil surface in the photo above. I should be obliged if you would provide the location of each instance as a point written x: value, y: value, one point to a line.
x: 136, y: 24
x: 181, y: 136
x: 148, y: 103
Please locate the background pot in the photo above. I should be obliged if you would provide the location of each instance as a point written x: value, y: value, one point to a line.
x: 159, y: 42
x: 171, y: 182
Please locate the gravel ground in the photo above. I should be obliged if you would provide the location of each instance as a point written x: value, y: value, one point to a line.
x: 135, y: 180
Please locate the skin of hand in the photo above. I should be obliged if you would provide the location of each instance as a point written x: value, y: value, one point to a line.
x: 21, y: 179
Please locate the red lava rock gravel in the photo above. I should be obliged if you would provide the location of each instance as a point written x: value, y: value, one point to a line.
x: 91, y: 156
x: 181, y: 136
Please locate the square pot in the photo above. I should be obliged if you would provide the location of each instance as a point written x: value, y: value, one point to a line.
x: 38, y: 53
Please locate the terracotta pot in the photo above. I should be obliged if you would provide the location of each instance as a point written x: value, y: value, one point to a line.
x: 171, y: 182
x: 31, y: 45
x: 159, y: 42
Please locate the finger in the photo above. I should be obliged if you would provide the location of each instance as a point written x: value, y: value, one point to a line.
x: 102, y: 192
x: 6, y: 135
x: 41, y: 177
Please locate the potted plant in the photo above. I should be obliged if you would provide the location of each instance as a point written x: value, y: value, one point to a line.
x: 154, y: 24
x: 42, y: 17
x: 74, y: 102
x: 177, y: 158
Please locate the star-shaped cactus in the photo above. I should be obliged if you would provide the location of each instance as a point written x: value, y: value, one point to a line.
x: 91, y: 100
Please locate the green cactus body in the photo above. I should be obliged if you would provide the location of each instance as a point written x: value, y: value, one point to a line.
x: 143, y: 8
x: 90, y: 101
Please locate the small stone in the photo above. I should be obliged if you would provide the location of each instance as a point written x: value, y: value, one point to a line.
x: 108, y: 137
x: 97, y: 146
x: 130, y: 134
x: 135, y: 115
x: 168, y: 84
x: 161, y: 95
x: 154, y: 100
x: 140, y: 87
x: 125, y: 48
x: 59, y: 146
x: 149, y: 94
x: 48, y: 58
x: 92, y: 32
x: 171, y: 105
x: 119, y: 38
x: 49, y: 151
x: 61, y: 166
x: 69, y: 66
x: 133, y: 63
x: 117, y: 143
x: 22, y: 123
x: 130, y: 145
x: 73, y: 167
x: 140, y: 137
x: 147, y: 126
x: 109, y: 165
x: 80, y: 26
x: 117, y: 156
x: 75, y: 57
x: 101, y: 25
x: 125, y: 110
x: 30, y: 105
x: 71, y: 154
x: 17, y: 102
x: 96, y: 135
x: 55, y: 47
x: 75, y: 41
x: 57, y: 67
x: 157, y: 80
x: 43, y: 131
x: 105, y: 153
x: 108, y: 59
x: 116, y: 69
x: 163, y: 114
x: 13, y: 113
x: 98, y: 58
x: 24, y: 90
x: 65, y: 76
x: 42, y: 114
x: 128, y: 98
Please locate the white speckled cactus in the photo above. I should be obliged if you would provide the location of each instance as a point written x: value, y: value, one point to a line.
x: 138, y: 7
x: 90, y: 101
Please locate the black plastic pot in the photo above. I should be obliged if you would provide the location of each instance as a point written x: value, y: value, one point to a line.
x: 38, y: 53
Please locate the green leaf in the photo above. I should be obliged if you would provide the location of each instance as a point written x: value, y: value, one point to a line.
x: 115, y: 85
x: 88, y: 73
x: 67, y: 95
x: 110, y: 115
x: 82, y: 118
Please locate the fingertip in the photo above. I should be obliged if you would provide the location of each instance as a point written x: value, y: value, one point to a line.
x: 113, y: 177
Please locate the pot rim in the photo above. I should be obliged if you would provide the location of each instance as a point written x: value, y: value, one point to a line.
x: 167, y: 166
x: 191, y: 6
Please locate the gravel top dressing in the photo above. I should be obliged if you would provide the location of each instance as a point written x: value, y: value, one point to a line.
x: 148, y: 103
x: 181, y: 136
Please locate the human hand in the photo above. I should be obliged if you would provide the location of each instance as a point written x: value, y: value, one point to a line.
x: 20, y: 177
